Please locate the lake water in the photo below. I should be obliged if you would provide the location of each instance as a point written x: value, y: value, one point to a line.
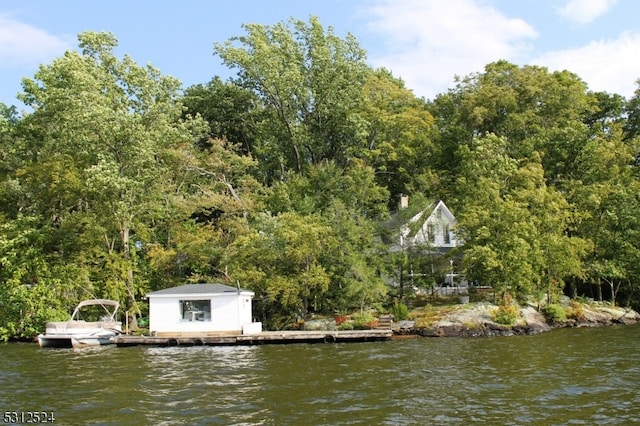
x: 569, y: 376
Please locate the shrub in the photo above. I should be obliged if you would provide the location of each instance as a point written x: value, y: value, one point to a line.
x: 506, y: 313
x: 400, y: 311
x: 346, y: 325
x: 341, y: 319
x: 576, y: 311
x: 555, y: 313
x: 360, y: 321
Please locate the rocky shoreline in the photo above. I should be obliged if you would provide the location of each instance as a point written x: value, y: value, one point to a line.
x: 476, y: 320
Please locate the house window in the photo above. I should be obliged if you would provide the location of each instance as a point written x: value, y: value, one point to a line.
x: 446, y: 231
x: 431, y: 232
x: 195, y: 310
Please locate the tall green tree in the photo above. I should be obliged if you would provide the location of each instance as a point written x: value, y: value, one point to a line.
x: 209, y: 198
x: 493, y: 225
x: 607, y: 199
x: 350, y: 204
x: 232, y: 112
x: 309, y: 83
x: 100, y: 139
x: 514, y: 226
x: 281, y: 260
x: 398, y: 130
x: 533, y: 109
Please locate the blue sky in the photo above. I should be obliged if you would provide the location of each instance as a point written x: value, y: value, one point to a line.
x: 425, y: 42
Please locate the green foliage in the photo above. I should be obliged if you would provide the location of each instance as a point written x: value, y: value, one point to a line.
x: 506, y: 313
x: 281, y: 260
x: 347, y: 325
x: 309, y: 81
x: 398, y: 134
x: 363, y: 320
x: 228, y: 108
x: 555, y: 314
x: 349, y: 204
x: 576, y: 311
x: 400, y: 311
x: 104, y: 129
x: 107, y: 191
x: 520, y: 244
x: 115, y: 184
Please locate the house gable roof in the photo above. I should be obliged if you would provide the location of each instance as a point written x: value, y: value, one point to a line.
x: 434, y: 213
x: 199, y: 290
x: 444, y: 210
x: 417, y: 229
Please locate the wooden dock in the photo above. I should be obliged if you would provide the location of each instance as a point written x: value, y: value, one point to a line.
x: 264, y: 338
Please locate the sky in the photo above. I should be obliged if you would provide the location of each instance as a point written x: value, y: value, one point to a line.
x: 427, y: 43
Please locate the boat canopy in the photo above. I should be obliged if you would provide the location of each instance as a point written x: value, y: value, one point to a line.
x: 98, y: 302
x: 111, y: 313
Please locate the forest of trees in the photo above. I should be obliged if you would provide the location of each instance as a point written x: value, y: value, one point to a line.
x: 116, y: 181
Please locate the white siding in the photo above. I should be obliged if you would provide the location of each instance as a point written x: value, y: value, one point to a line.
x: 434, y: 230
x: 228, y: 313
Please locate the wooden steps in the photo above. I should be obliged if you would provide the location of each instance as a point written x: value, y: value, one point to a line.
x: 385, y: 322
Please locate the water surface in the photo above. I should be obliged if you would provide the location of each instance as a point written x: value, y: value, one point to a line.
x: 571, y: 376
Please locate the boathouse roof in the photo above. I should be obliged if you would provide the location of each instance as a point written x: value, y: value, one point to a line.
x: 194, y: 289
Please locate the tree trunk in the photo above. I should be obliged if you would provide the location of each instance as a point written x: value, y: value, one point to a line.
x: 125, y: 235
x: 573, y: 289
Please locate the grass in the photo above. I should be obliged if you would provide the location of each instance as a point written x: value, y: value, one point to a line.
x: 430, y: 314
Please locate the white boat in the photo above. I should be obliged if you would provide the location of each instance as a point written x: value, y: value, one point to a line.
x: 77, y: 332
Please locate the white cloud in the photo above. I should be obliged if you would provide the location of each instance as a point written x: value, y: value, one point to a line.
x: 585, y: 11
x: 610, y: 66
x: 22, y: 44
x: 433, y: 41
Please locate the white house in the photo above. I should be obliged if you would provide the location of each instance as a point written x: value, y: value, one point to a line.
x: 433, y: 227
x: 200, y: 309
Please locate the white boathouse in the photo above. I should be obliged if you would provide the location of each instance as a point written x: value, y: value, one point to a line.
x: 201, y: 309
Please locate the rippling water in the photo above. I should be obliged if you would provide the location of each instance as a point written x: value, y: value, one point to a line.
x: 577, y: 376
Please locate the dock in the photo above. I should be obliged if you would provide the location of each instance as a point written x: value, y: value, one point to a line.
x: 263, y: 338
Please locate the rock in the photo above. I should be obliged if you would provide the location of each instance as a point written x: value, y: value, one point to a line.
x: 534, y: 320
x: 629, y: 317
x: 404, y: 327
x: 321, y: 324
x: 477, y: 320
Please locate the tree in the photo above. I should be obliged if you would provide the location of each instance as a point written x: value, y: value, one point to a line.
x: 515, y: 228
x: 607, y: 199
x: 231, y: 111
x: 350, y: 204
x: 210, y: 196
x: 632, y: 109
x: 556, y: 254
x: 33, y: 289
x: 281, y: 261
x: 533, y: 109
x: 100, y: 139
x: 8, y: 121
x: 309, y: 83
x: 398, y: 130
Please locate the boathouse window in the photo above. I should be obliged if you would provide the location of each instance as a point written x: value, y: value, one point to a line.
x: 195, y: 310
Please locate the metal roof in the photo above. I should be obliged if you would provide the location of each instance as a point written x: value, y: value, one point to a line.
x: 194, y: 289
